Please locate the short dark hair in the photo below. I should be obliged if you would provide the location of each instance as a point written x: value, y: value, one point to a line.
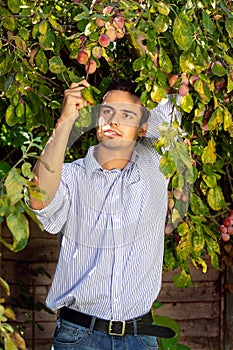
x: 126, y: 85
x: 130, y: 86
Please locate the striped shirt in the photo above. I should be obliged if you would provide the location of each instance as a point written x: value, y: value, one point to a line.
x: 112, y: 224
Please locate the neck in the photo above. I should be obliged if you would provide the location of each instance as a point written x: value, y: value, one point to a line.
x: 113, y: 159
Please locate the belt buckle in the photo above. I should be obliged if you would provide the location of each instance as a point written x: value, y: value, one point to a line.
x: 111, y: 325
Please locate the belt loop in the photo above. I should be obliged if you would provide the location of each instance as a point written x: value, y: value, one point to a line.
x: 92, y: 325
x: 135, y: 330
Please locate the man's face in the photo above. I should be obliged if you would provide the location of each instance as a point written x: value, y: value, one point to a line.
x: 119, y: 119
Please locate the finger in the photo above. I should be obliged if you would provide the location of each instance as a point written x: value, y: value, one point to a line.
x: 82, y: 83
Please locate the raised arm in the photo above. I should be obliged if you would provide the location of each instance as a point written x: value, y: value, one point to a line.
x: 49, y: 167
x: 164, y: 112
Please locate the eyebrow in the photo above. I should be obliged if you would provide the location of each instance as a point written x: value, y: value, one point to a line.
x: 123, y: 110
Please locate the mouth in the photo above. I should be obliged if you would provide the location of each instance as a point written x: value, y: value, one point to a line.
x: 111, y: 132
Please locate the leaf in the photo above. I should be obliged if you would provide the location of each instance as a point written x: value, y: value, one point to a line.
x: 163, y: 8
x: 209, y: 153
x: 182, y: 280
x: 20, y: 43
x: 19, y: 227
x: 139, y: 63
x: 5, y: 286
x: 167, y: 165
x: 218, y: 70
x: 47, y: 40
x: 207, y: 22
x: 198, y: 241
x: 58, y: 27
x: 41, y: 62
x: 194, y: 61
x: 26, y: 170
x: 227, y: 119
x: 229, y: 26
x: 216, y: 198
x: 43, y: 27
x: 15, y: 184
x: 197, y: 205
x: 9, y: 23
x: 11, y: 118
x: 161, y: 24
x: 6, y: 65
x: 210, y: 180
x: 183, y: 33
x: 187, y: 103
x: 157, y: 93
x: 14, y: 5
x: 4, y: 168
x: 9, y: 313
x: 216, y: 119
x: 229, y: 84
x: 56, y: 65
x: 183, y: 229
x: 88, y: 96
x: 164, y: 61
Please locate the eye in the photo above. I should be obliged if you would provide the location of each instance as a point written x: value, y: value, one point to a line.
x: 127, y: 115
x: 107, y: 111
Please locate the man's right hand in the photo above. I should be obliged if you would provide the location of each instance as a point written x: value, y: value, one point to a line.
x: 73, y: 101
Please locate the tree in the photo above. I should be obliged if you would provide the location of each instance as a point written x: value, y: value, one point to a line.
x: 165, y: 46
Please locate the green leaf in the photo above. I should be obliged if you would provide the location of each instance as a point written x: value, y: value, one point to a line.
x: 157, y: 93
x: 14, y: 5
x: 209, y: 153
x: 47, y: 40
x: 216, y: 198
x: 229, y: 84
x: 11, y: 117
x: 26, y: 170
x: 187, y: 103
x: 41, y: 61
x: 207, y: 22
x: 6, y: 65
x: 229, y: 26
x: 227, y: 119
x: 4, y: 168
x: 9, y: 23
x: 5, y: 286
x: 194, y: 62
x: 197, y: 205
x: 161, y: 24
x: 163, y: 8
x: 216, y: 119
x: 183, y: 33
x: 198, y: 241
x: 182, y: 280
x: 139, y: 63
x: 218, y: 69
x: 164, y: 61
x: 210, y: 180
x: 56, y: 65
x: 167, y: 165
x: 19, y: 227
x: 183, y: 229
x: 15, y: 184
x: 170, y: 343
x: 20, y: 43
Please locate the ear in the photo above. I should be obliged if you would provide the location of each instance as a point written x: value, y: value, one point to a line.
x: 142, y: 130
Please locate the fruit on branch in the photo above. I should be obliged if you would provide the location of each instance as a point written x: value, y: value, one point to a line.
x: 173, y: 78
x: 97, y: 52
x: 90, y: 67
x: 227, y: 228
x: 183, y: 90
x: 118, y: 22
x: 82, y: 57
x: 104, y: 40
x: 110, y: 32
x: 185, y: 79
x: 100, y: 22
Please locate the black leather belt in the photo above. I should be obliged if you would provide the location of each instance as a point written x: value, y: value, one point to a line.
x: 117, y: 328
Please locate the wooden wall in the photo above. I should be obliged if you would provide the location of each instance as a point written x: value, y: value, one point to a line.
x: 199, y: 309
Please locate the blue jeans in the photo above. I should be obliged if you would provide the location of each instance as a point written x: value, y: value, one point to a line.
x: 69, y: 336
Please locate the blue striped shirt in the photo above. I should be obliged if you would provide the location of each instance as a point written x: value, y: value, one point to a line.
x: 112, y: 224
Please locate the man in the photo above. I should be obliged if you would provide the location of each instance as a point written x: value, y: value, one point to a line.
x: 111, y: 208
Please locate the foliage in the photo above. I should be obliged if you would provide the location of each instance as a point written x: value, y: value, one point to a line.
x: 166, y: 46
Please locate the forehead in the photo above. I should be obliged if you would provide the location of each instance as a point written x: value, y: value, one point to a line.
x: 122, y: 100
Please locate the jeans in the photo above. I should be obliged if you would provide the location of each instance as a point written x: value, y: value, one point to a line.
x: 69, y: 336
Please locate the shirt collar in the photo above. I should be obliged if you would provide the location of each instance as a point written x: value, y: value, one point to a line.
x: 91, y: 164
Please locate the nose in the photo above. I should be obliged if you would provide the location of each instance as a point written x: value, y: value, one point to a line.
x: 113, y: 119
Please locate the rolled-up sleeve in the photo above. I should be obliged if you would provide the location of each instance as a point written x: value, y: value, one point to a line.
x: 54, y: 216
